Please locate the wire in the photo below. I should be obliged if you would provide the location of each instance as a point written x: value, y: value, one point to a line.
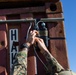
x: 40, y: 59
x: 28, y: 30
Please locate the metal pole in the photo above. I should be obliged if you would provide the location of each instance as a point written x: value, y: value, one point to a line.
x: 17, y: 20
x: 52, y: 19
x: 32, y: 20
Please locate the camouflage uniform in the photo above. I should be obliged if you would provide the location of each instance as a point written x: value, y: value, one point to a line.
x: 52, y: 64
x: 20, y: 64
x: 54, y: 68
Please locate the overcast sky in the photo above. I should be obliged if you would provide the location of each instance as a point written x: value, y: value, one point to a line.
x: 69, y: 11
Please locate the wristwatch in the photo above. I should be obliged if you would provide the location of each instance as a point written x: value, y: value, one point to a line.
x: 24, y: 46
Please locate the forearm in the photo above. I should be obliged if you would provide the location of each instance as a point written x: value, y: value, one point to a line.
x: 20, y: 64
x: 52, y: 63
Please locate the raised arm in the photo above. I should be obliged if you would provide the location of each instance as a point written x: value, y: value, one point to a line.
x: 52, y: 64
x: 20, y: 64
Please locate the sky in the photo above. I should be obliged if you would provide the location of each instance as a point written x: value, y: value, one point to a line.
x: 69, y: 12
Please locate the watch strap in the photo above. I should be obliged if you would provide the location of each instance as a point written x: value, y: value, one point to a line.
x: 24, y: 46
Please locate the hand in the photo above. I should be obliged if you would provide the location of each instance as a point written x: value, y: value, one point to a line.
x: 56, y: 74
x: 31, y: 37
x: 41, y: 44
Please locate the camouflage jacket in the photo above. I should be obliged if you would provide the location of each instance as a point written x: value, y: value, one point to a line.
x: 52, y: 64
x: 20, y: 64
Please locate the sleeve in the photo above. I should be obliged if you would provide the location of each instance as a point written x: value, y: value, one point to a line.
x: 20, y: 64
x: 52, y: 64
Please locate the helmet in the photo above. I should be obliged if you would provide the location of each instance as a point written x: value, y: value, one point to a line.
x: 69, y: 72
